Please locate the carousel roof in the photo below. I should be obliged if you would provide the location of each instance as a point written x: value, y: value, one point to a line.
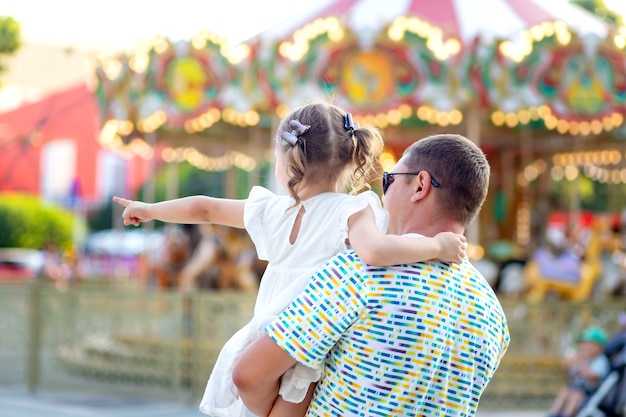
x: 548, y: 64
x: 460, y: 19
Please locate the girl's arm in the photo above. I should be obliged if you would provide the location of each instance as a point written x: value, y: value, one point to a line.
x: 187, y: 210
x: 377, y: 249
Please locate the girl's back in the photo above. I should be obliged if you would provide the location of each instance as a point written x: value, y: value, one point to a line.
x: 323, y: 231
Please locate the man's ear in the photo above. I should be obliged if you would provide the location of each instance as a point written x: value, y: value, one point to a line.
x: 422, y: 187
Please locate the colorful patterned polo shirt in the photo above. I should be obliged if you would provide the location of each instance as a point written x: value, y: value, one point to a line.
x: 409, y: 340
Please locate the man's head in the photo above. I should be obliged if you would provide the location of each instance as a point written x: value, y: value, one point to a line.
x: 460, y: 172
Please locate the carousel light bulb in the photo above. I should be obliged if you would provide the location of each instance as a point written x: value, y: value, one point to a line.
x: 168, y: 154
x: 319, y: 27
x: 506, y: 48
x: 198, y: 42
x: 112, y: 69
x: 139, y: 62
x: 616, y: 157
x: 511, y: 120
x: 585, y: 128
x: 562, y: 126
x: 395, y: 33
x: 405, y: 111
x: 564, y: 38
x: 252, y: 118
x: 160, y: 44
x: 531, y: 173
x: 522, y: 182
x: 497, y: 118
x: 433, y: 43
x: 537, y: 32
x: 299, y: 36
x: 544, y: 111
x: 456, y: 117
x: 423, y: 112
x: 336, y: 35
x: 596, y: 127
x: 557, y: 173
x: 571, y: 172
x: 285, y: 49
x: 413, y: 25
x: 524, y: 116
x: 559, y: 26
x: 441, y: 54
x: 615, y: 174
x: 548, y: 28
x: 394, y: 116
x: 550, y: 122
x: 332, y: 24
x: 620, y: 41
x: 453, y: 46
x: 382, y: 120
x: 401, y: 21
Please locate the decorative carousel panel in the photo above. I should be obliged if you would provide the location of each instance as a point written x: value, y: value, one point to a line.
x: 575, y: 85
x: 119, y: 90
x: 185, y: 79
x: 396, y: 68
x: 254, y: 85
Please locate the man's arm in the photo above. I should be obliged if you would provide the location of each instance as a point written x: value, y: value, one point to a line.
x: 257, y: 374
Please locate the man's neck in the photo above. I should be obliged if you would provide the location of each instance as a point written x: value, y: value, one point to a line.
x: 432, y: 229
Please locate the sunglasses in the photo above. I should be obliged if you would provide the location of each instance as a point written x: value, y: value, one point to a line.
x: 388, y: 179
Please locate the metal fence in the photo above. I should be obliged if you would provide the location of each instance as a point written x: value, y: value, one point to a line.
x: 165, y: 344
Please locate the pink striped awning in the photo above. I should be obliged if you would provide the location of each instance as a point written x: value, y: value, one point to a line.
x: 460, y: 19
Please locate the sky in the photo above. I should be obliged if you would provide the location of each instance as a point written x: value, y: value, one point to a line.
x: 120, y: 24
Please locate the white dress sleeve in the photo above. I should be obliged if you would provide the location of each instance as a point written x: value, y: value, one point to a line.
x: 358, y: 203
x: 253, y: 218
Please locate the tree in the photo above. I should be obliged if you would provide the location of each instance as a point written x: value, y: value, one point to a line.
x: 598, y: 8
x: 27, y: 222
x: 10, y: 37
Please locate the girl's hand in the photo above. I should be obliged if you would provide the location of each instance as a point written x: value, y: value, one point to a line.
x: 452, y: 247
x: 135, y: 212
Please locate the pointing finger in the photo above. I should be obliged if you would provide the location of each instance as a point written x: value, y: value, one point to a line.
x: 122, y: 201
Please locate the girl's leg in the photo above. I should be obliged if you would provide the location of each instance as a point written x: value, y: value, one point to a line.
x: 284, y: 408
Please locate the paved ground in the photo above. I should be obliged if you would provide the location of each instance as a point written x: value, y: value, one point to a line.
x: 18, y: 403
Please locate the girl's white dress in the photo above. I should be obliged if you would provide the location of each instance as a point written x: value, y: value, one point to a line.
x: 269, y: 219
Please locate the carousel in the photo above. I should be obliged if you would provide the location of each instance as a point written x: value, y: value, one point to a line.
x: 540, y: 86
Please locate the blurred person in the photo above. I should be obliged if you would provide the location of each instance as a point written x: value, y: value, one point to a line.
x: 316, y: 147
x: 201, y: 260
x: 614, y: 404
x: 174, y: 254
x: 586, y: 369
x: 420, y: 339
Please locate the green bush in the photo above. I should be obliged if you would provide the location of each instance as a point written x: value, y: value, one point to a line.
x: 27, y: 222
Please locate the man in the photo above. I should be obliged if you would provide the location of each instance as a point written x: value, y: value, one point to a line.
x: 408, y: 340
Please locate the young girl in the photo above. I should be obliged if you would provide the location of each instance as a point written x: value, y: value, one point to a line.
x: 317, y: 148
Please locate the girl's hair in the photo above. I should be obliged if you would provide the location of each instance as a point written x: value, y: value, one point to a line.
x: 330, y: 150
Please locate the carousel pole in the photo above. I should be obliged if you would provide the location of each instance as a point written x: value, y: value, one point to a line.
x: 255, y: 136
x: 473, y: 133
x: 150, y: 190
x: 526, y: 160
x: 574, y: 203
x: 172, y: 190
